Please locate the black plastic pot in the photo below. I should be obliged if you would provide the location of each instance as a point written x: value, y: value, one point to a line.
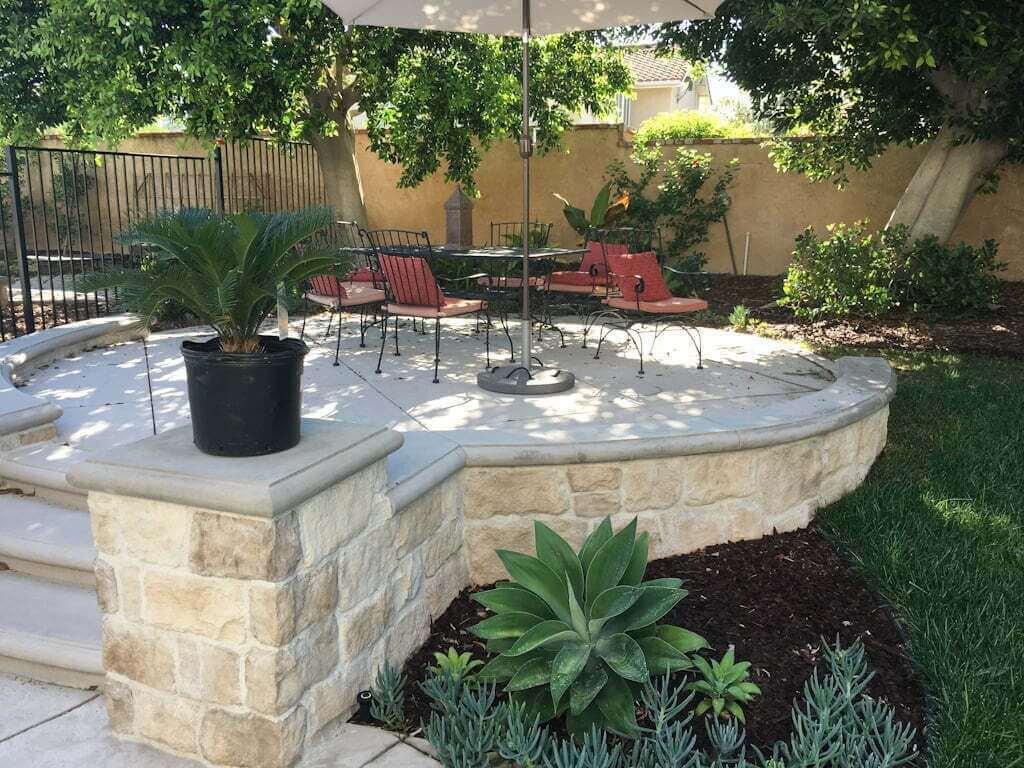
x: 245, y: 404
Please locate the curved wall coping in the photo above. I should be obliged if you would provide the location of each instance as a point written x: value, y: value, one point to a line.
x: 19, y: 410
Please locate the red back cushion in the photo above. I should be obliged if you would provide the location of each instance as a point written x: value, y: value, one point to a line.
x: 595, y: 255
x: 628, y: 266
x: 364, y: 275
x: 411, y: 280
x: 328, y: 285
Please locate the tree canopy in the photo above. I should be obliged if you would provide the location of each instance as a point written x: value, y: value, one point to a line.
x: 865, y: 74
x: 101, y: 70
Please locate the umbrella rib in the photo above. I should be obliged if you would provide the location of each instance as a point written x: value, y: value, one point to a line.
x: 366, y: 10
x: 697, y: 7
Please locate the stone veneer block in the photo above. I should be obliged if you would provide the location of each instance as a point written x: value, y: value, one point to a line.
x: 229, y: 634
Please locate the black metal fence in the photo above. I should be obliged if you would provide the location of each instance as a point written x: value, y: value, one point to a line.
x: 61, y: 211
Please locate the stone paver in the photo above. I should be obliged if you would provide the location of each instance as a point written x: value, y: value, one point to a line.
x: 105, y: 397
x: 47, y: 726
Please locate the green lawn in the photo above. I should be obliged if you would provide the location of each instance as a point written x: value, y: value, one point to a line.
x: 938, y: 528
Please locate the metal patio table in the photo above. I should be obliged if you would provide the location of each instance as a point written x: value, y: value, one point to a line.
x: 499, y: 263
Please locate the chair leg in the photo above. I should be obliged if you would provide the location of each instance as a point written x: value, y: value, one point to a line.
x: 337, y: 346
x: 511, y: 348
x: 330, y: 322
x: 437, y: 345
x: 383, y: 339
x: 362, y: 328
x: 305, y: 311
x: 397, y: 353
x: 487, y: 335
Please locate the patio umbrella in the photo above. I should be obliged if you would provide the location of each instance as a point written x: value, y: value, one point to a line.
x: 525, y: 18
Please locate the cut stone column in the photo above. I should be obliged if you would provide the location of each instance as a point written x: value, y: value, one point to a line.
x: 228, y: 635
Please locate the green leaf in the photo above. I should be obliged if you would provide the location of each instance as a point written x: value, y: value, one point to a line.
x: 610, y: 604
x: 618, y: 706
x: 638, y: 562
x: 673, y: 583
x: 610, y: 562
x: 507, y: 600
x: 586, y: 687
x: 683, y: 640
x: 654, y: 603
x: 624, y: 656
x: 597, y: 211
x: 505, y: 625
x: 661, y: 657
x: 545, y: 633
x: 566, y: 668
x: 533, y: 673
x: 502, y: 668
x: 597, y: 539
x: 556, y: 554
x: 579, y: 619
x: 736, y: 710
x: 500, y: 644
x: 580, y: 725
x: 538, y: 578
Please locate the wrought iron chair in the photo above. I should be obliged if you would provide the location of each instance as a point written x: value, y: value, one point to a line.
x: 343, y: 292
x: 414, y: 292
x: 641, y: 294
x: 509, y: 234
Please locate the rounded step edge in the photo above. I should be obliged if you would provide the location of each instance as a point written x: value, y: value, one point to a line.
x: 46, y: 541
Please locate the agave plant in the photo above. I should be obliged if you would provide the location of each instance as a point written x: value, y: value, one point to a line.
x: 724, y: 686
x: 577, y: 632
x: 604, y: 211
x: 225, y: 270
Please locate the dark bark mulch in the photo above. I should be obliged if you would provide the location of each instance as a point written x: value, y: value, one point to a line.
x: 774, y: 599
x: 999, y: 331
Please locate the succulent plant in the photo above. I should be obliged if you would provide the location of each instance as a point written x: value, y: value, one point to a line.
x: 577, y: 633
x: 724, y: 686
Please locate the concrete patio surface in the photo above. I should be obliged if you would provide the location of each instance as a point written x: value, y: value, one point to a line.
x: 105, y: 398
x: 48, y: 726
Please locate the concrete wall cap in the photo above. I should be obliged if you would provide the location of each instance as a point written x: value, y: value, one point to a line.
x: 168, y: 467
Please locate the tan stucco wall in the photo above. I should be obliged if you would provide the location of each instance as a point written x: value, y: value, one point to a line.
x: 649, y: 102
x: 773, y: 207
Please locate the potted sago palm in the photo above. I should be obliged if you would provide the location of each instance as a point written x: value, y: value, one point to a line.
x: 244, y: 388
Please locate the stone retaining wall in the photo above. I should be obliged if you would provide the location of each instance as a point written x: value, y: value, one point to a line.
x: 684, y: 502
x: 234, y: 638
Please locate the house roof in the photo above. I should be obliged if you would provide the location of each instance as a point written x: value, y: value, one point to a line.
x: 648, y: 68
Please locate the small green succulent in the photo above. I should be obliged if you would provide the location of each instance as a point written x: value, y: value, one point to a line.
x: 724, y: 686
x: 577, y: 633
x: 454, y: 664
x: 739, y: 318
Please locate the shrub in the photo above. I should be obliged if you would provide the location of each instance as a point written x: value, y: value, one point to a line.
x: 677, y: 126
x: 853, y: 271
x: 739, y: 317
x: 577, y: 633
x: 680, y: 192
x: 836, y: 726
x: 951, y: 280
x: 859, y: 272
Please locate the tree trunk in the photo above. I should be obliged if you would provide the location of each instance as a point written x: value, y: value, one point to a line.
x: 337, y: 158
x: 944, y: 184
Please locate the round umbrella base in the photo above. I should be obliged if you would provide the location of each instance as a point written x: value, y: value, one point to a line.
x: 518, y: 380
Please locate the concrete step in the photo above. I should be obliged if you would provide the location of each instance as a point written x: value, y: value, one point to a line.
x: 49, y: 632
x: 44, y: 540
x: 41, y: 470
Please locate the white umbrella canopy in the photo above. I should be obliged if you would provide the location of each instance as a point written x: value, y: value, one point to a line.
x: 504, y: 17
x: 524, y: 18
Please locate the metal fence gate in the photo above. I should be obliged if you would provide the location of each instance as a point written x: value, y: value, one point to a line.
x: 61, y: 211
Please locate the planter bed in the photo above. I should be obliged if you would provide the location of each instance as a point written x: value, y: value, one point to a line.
x: 774, y: 599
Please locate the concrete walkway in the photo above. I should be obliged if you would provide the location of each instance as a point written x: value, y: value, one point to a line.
x: 47, y: 726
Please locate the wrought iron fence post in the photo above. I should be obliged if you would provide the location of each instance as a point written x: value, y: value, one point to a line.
x: 21, y: 248
x: 218, y: 177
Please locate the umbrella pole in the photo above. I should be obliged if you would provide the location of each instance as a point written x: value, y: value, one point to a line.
x: 525, y: 151
x: 522, y: 378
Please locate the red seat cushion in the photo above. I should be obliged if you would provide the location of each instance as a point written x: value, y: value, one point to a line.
x: 577, y: 278
x: 628, y: 267
x: 411, y: 280
x: 672, y: 306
